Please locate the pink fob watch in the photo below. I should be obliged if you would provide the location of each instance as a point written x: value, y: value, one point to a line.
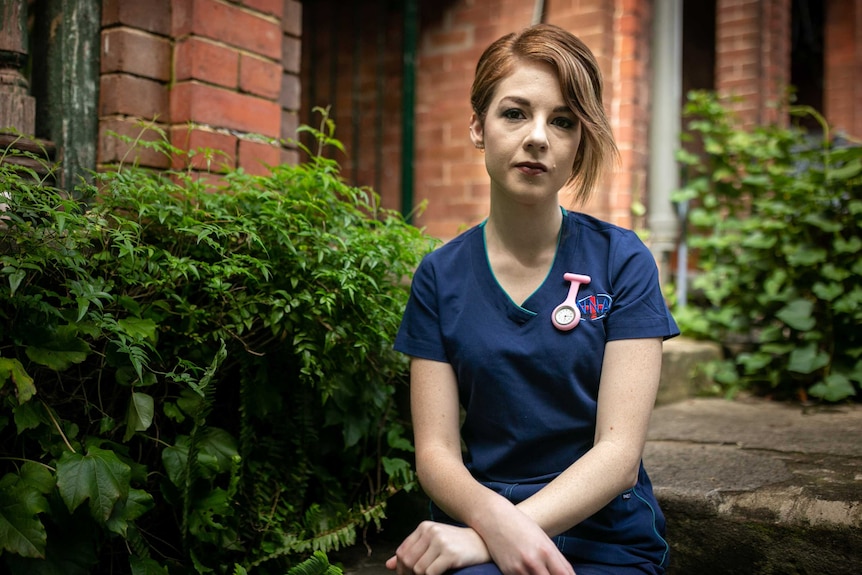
x: 567, y: 315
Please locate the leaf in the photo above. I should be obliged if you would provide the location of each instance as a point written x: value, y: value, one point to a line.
x: 139, y: 328
x: 15, y: 279
x: 146, y: 566
x: 798, y: 315
x: 21, y: 531
x: 99, y: 476
x: 834, y: 387
x: 317, y: 564
x: 754, y: 362
x: 60, y: 352
x: 823, y: 223
x: 800, y: 257
x: 37, y: 476
x: 12, y: 368
x: 396, y: 441
x: 138, y: 503
x: 28, y: 416
x: 174, y: 459
x: 759, y: 240
x: 218, y: 448
x: 807, y: 359
x: 845, y: 172
x: 827, y: 292
x: 141, y: 411
x: 851, y: 246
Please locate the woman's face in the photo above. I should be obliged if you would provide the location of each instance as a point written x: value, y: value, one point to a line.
x: 529, y: 135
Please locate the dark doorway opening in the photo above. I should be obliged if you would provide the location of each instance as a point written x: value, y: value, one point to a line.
x: 806, y: 58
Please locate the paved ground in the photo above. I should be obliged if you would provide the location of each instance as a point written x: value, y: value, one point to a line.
x: 749, y: 486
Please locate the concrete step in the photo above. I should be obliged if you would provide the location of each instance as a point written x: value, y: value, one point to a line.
x: 682, y: 376
x: 759, y: 487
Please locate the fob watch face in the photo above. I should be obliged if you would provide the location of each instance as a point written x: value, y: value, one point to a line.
x: 565, y: 315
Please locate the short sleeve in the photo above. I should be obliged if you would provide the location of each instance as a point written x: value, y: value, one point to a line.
x: 639, y: 309
x: 419, y: 334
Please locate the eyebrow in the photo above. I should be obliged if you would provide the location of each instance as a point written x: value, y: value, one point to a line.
x: 526, y: 103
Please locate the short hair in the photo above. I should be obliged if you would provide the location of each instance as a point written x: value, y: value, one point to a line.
x: 580, y: 82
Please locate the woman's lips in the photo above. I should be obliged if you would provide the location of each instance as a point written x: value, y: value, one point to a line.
x: 531, y: 168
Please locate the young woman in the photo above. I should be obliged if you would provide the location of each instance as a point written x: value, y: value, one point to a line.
x: 546, y: 327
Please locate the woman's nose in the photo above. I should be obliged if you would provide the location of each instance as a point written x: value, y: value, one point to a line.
x: 538, y: 136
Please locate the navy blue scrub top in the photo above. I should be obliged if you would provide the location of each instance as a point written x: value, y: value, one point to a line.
x: 529, y: 390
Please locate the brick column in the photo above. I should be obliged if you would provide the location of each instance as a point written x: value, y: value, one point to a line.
x: 210, y: 74
x: 843, y: 66
x: 753, y: 57
x: 630, y: 113
x: 449, y: 172
x: 291, y: 90
x: 135, y: 73
x: 227, y: 81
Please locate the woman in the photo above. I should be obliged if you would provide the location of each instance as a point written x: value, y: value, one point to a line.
x: 556, y: 406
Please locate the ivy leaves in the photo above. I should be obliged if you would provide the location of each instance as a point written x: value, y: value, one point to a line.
x: 100, y: 479
x: 778, y: 235
x: 22, y: 499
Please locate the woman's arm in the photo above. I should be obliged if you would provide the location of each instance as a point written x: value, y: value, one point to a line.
x: 629, y: 383
x: 518, y: 544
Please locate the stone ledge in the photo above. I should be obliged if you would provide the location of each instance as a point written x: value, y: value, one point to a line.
x: 680, y: 376
x: 757, y: 487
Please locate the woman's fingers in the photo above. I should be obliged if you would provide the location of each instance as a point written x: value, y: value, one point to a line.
x: 435, y: 548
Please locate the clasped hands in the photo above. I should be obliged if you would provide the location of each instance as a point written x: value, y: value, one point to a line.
x: 518, y: 547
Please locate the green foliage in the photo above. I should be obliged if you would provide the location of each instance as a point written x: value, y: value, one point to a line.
x: 777, y: 215
x: 197, y: 375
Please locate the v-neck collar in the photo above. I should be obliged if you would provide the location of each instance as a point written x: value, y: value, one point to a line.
x: 498, y: 297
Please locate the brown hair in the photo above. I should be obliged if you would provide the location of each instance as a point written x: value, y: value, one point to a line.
x: 581, y: 84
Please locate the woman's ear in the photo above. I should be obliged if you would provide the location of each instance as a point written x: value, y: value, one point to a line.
x: 477, y: 132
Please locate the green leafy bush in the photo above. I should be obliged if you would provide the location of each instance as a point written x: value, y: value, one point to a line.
x: 777, y: 215
x: 196, y: 374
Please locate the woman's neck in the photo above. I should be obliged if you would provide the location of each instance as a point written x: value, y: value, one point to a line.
x: 525, y: 232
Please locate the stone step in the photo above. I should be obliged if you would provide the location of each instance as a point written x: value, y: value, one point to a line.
x: 759, y: 487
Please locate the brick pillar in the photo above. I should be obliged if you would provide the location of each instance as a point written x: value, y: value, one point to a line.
x: 135, y: 69
x: 291, y: 90
x: 228, y: 77
x: 753, y: 57
x: 449, y: 172
x: 630, y: 113
x: 843, y: 66
x: 211, y: 74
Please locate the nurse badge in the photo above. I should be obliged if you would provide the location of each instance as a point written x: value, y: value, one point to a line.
x: 567, y: 315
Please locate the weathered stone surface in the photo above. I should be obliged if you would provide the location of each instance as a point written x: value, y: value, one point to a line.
x: 681, y: 377
x: 758, y: 487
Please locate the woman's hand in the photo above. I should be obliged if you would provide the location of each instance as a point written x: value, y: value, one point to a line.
x: 519, y: 546
x: 434, y: 548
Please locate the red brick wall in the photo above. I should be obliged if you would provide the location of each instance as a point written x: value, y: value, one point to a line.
x: 843, y: 66
x: 753, y: 57
x: 208, y: 73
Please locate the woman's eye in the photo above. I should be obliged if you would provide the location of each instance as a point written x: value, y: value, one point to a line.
x: 564, y: 123
x: 513, y: 114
